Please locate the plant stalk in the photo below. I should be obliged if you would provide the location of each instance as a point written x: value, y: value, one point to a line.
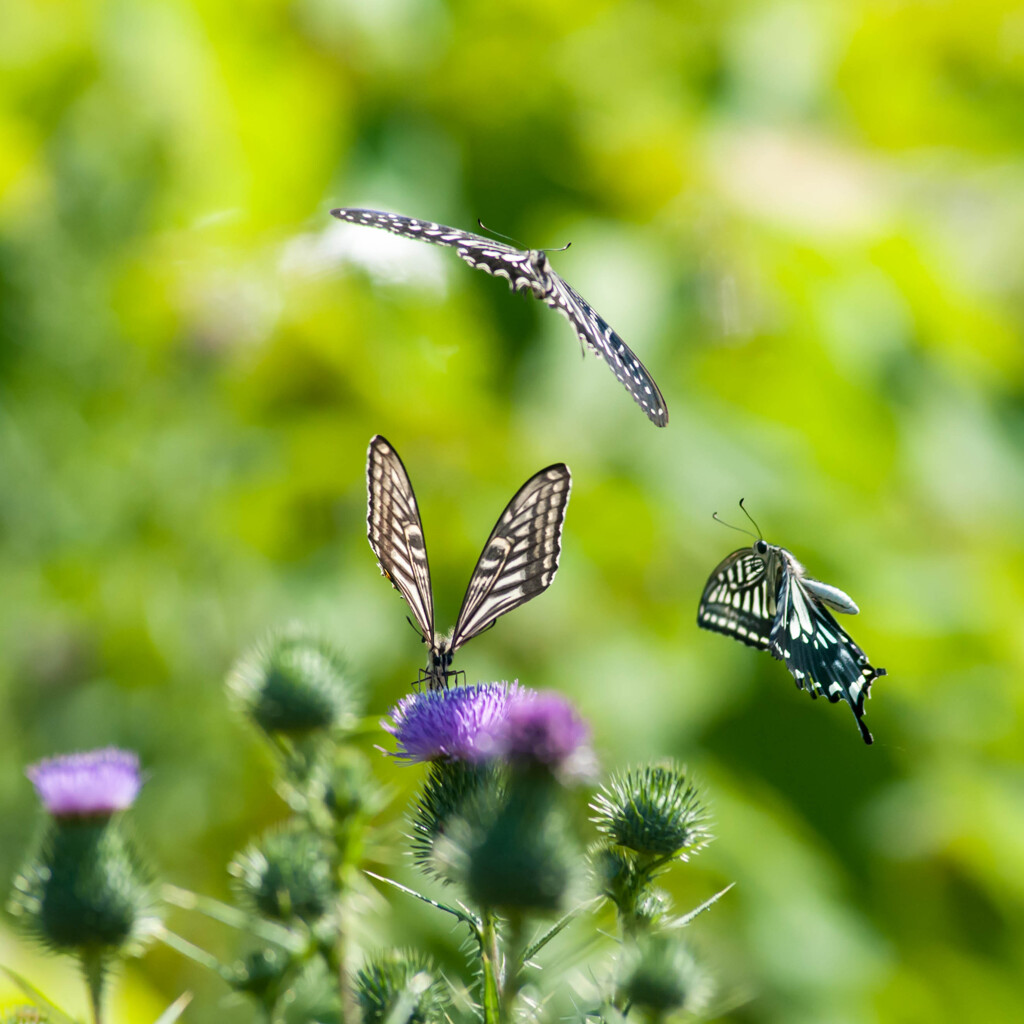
x: 489, y: 962
x: 93, y: 968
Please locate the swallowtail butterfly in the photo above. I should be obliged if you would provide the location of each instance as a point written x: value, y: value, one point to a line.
x: 529, y: 270
x: 518, y: 562
x: 763, y: 597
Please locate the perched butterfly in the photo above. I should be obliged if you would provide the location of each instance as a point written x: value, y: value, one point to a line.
x: 529, y: 270
x: 763, y: 597
x: 518, y: 562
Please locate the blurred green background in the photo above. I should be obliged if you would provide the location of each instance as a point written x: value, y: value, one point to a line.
x: 807, y: 219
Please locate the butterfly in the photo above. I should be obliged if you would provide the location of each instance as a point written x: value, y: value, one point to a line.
x: 529, y: 270
x: 762, y: 596
x: 518, y: 562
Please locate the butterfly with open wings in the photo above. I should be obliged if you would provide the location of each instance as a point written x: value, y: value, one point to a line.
x: 518, y: 562
x: 763, y: 597
x: 529, y: 270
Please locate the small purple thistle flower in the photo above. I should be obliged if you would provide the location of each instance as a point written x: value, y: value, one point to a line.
x: 95, y: 783
x: 544, y: 729
x: 457, y: 724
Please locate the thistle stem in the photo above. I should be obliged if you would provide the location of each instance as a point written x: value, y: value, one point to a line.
x: 349, y: 1007
x: 489, y: 962
x: 515, y: 966
x: 93, y: 968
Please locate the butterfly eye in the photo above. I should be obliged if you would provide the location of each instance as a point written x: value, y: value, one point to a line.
x: 761, y: 547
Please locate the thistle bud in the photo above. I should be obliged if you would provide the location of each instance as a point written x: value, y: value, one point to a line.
x: 402, y: 985
x: 312, y: 996
x: 295, y: 685
x: 660, y: 975
x: 260, y: 972
x: 453, y: 791
x: 287, y: 875
x: 521, y: 860
x: 83, y: 890
x: 654, y: 811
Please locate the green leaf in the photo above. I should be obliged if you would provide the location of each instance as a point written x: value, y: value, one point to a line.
x: 175, y: 1010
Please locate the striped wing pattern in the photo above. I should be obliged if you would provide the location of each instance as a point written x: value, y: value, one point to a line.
x: 769, y: 603
x: 520, y: 558
x: 739, y: 600
x: 528, y: 270
x: 595, y: 331
x: 518, y: 562
x: 822, y: 657
x: 396, y: 533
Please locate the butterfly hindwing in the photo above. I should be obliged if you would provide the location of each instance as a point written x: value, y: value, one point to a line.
x: 529, y: 270
x: 739, y: 599
x: 520, y: 558
x: 821, y: 656
x: 594, y: 330
x: 396, y: 533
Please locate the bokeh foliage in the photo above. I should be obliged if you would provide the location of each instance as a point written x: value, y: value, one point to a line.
x: 806, y: 217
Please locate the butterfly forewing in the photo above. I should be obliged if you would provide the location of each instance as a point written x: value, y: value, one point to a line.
x: 739, y: 599
x: 396, y: 533
x: 520, y: 558
x: 526, y: 270
x: 518, y: 562
x: 428, y: 231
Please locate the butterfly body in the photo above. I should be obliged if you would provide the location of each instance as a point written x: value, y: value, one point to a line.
x: 530, y: 270
x: 763, y: 597
x: 439, y: 663
x: 518, y: 562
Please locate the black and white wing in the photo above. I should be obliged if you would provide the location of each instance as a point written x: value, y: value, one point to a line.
x: 819, y: 653
x: 396, y: 533
x: 593, y: 330
x: 482, y: 253
x: 529, y: 271
x: 739, y: 599
x: 520, y: 558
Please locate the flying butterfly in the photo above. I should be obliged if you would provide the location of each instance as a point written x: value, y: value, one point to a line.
x: 529, y: 270
x: 518, y: 562
x: 762, y: 596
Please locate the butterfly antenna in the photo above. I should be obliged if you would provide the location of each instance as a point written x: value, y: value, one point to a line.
x: 739, y: 529
x: 497, y: 234
x: 515, y: 241
x: 760, y: 535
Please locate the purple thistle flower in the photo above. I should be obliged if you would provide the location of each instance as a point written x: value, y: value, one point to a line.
x: 544, y: 729
x: 91, y: 784
x: 457, y: 724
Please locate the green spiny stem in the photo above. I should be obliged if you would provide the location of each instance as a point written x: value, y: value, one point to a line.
x: 489, y: 963
x: 515, y: 966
